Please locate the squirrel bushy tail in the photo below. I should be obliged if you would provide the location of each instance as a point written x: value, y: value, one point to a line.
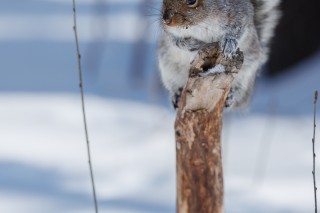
x: 266, y: 15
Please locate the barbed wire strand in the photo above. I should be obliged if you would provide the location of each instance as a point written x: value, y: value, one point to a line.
x: 313, y: 149
x: 83, y: 104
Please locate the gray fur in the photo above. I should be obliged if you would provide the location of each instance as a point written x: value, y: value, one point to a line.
x: 244, y: 24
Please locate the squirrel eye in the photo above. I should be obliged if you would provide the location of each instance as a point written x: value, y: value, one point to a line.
x: 192, y: 3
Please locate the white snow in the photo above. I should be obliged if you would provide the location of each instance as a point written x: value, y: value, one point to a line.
x: 120, y: 27
x: 133, y: 157
x: 217, y: 69
x: 93, y: 1
x: 132, y: 150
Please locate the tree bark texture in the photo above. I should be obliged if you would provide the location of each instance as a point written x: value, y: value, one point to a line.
x: 198, y: 132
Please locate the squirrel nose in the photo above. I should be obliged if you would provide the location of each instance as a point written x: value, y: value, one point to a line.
x: 167, y: 17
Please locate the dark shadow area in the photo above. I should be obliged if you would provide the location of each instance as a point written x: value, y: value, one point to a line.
x: 297, y: 35
x: 49, y: 184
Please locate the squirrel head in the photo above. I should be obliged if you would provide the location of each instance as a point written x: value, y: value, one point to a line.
x: 183, y: 13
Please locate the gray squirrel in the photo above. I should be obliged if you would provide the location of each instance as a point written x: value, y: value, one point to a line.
x: 189, y: 24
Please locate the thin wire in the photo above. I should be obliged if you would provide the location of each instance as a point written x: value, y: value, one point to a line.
x: 83, y: 104
x: 314, y: 154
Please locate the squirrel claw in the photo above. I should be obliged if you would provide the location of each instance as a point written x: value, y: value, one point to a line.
x: 229, y: 47
x: 230, y: 99
x: 176, y: 98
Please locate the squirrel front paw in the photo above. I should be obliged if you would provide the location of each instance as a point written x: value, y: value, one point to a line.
x: 176, y: 98
x: 229, y: 46
x: 189, y: 43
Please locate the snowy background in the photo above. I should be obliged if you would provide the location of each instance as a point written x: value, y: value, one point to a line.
x: 267, y: 151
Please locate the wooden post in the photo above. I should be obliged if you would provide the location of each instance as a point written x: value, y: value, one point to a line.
x: 198, y: 133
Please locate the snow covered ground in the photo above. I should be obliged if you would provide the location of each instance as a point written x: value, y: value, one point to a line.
x: 43, y: 161
x: 43, y: 155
